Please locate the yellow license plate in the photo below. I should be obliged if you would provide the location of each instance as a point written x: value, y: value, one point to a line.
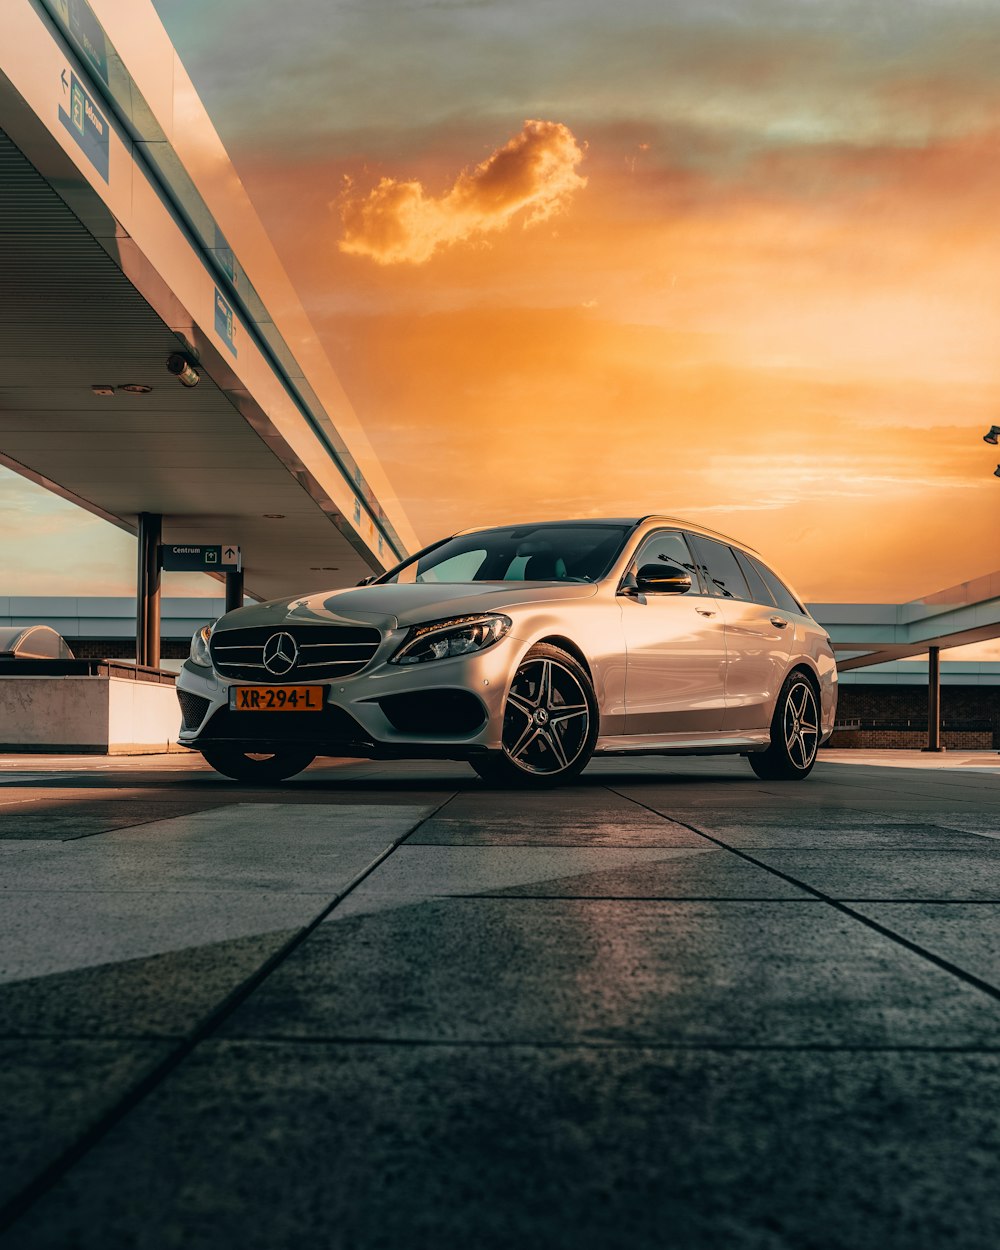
x: 276, y: 698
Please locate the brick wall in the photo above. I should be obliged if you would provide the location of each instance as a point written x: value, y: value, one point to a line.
x: 896, y: 716
x: 124, y: 648
x: 912, y: 739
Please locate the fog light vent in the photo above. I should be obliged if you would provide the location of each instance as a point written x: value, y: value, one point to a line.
x: 434, y: 713
x: 193, y: 708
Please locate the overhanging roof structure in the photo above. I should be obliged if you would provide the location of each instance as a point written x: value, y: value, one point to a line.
x: 125, y: 236
x: 873, y: 633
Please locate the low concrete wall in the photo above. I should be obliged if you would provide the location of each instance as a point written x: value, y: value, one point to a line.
x: 911, y: 739
x: 88, y: 715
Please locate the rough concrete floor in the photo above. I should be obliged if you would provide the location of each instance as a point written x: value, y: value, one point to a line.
x: 672, y: 1006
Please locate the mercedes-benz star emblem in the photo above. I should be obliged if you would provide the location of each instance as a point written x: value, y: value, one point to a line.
x: 280, y: 654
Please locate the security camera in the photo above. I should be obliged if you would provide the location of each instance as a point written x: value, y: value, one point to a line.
x: 183, y: 369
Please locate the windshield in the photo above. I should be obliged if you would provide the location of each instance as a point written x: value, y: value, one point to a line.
x: 526, y: 553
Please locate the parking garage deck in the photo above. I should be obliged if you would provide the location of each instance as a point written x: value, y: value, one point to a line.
x: 385, y: 1005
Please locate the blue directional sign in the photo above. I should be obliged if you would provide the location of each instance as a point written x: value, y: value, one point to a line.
x: 89, y: 35
x: 86, y: 123
x: 224, y: 320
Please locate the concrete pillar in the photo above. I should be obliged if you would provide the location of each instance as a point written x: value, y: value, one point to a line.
x: 234, y: 589
x: 934, y: 700
x: 147, y: 594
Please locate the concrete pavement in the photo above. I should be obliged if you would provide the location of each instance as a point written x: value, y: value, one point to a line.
x: 384, y: 1005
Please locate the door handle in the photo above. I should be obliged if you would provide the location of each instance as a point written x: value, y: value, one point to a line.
x: 779, y: 621
x: 705, y: 611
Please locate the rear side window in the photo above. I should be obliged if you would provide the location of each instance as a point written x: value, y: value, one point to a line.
x: 783, y: 597
x: 721, y: 570
x: 758, y: 587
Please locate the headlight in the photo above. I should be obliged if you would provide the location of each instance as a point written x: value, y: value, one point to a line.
x: 199, y: 646
x: 461, y: 635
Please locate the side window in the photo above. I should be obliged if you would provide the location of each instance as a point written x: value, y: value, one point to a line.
x: 758, y: 587
x: 783, y: 597
x: 723, y: 573
x: 671, y: 547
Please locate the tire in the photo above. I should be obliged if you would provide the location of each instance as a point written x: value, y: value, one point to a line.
x: 795, y: 732
x: 254, y: 766
x: 550, y: 723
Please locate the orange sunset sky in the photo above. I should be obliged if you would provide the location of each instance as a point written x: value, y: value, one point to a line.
x: 739, y: 261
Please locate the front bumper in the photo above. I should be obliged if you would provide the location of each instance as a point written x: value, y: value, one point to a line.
x: 449, y: 708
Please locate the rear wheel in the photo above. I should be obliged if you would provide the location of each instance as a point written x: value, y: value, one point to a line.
x: 549, y: 724
x: 794, y: 733
x: 261, y: 767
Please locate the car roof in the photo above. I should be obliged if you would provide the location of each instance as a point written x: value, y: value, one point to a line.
x: 632, y: 522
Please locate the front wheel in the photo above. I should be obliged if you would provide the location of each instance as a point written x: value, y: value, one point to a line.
x: 256, y: 766
x: 549, y: 723
x: 794, y: 733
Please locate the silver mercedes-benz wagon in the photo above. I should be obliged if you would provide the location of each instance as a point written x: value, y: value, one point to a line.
x: 524, y: 650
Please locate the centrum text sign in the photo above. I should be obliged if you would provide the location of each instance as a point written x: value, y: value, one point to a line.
x: 199, y: 557
x: 86, y: 123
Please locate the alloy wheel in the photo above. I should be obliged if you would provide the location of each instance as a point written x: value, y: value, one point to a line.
x: 546, y: 718
x: 800, y: 724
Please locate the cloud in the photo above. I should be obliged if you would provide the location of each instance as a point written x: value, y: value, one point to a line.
x: 534, y: 173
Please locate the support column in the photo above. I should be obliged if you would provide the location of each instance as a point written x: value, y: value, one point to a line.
x: 234, y: 589
x: 934, y: 700
x: 147, y: 597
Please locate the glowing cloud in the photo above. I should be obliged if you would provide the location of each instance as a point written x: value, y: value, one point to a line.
x: 397, y: 222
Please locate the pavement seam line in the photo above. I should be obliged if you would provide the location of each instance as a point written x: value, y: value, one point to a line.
x: 346, y: 1039
x: 333, y: 1039
x: 153, y: 820
x: 53, y: 1172
x: 625, y: 898
x: 946, y: 965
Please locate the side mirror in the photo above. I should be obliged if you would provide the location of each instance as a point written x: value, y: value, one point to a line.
x: 366, y: 580
x: 663, y: 579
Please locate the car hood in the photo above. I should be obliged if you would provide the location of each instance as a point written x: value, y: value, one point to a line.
x: 393, y: 605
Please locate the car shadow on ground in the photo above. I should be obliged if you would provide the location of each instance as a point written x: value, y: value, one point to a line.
x: 474, y: 785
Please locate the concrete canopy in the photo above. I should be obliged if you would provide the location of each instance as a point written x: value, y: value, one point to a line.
x: 105, y: 276
x: 864, y: 634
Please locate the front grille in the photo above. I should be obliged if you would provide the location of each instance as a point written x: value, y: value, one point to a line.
x: 325, y: 651
x: 193, y: 708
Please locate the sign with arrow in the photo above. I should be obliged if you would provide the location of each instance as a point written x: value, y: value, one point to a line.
x: 86, y: 123
x: 200, y: 557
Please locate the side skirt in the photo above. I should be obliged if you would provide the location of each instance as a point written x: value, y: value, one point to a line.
x: 683, y: 744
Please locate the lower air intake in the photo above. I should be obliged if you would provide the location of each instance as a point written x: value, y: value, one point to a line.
x: 434, y: 713
x: 193, y: 708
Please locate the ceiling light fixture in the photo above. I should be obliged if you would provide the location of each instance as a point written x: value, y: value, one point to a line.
x: 273, y: 516
x: 183, y: 369
x: 99, y: 388
x: 993, y: 435
x: 135, y: 388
